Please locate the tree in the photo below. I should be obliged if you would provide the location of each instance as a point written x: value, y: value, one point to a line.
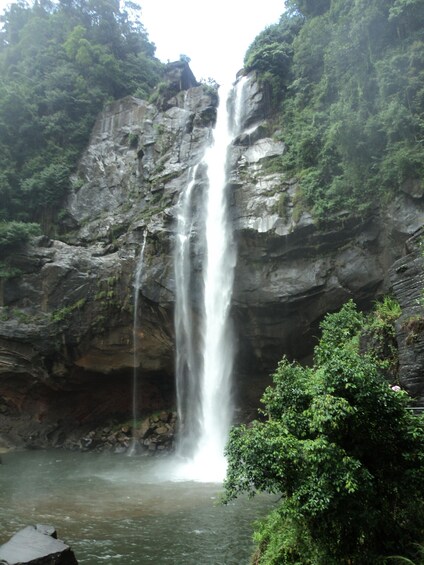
x: 59, y: 63
x: 347, y: 84
x: 14, y: 234
x: 343, y: 450
x: 271, y: 54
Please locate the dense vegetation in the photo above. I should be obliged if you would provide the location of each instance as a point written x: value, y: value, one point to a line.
x: 339, y: 445
x: 347, y: 87
x: 59, y: 63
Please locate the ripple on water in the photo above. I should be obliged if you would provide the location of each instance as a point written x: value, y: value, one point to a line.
x: 125, y: 510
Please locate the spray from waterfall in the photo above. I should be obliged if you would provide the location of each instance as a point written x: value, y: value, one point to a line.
x: 136, y: 322
x: 205, y: 398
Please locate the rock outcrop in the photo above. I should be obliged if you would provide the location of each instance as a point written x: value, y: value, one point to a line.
x: 407, y: 276
x: 36, y: 545
x: 67, y: 349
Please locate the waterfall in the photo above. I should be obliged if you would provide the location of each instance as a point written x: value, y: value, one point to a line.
x: 205, y: 400
x: 137, y: 287
x: 187, y: 364
x: 239, y: 100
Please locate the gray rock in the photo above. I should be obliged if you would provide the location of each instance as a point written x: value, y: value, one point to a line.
x: 67, y: 348
x: 255, y: 101
x: 407, y: 278
x: 36, y: 545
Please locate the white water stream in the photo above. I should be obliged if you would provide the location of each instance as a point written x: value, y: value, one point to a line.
x: 187, y: 359
x: 137, y: 288
x: 204, y: 386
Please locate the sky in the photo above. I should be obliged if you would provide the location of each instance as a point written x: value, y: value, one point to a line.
x: 213, y: 33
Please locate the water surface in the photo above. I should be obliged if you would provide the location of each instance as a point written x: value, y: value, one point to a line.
x: 126, y: 510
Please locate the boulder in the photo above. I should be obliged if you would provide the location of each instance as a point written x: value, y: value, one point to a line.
x: 36, y: 545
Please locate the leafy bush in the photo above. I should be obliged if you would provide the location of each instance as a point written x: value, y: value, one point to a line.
x: 13, y: 234
x: 8, y: 272
x: 343, y: 450
x: 379, y: 335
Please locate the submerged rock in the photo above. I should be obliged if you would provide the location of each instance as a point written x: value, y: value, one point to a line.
x: 36, y: 545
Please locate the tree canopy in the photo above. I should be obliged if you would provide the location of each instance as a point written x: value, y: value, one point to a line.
x: 348, y: 91
x: 338, y: 443
x: 59, y: 63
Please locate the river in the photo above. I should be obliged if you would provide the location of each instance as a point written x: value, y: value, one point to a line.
x: 125, y: 510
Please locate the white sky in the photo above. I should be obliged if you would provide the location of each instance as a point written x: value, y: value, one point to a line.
x: 213, y: 33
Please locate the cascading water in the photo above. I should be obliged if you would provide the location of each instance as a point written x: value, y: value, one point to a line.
x: 237, y: 113
x: 187, y: 363
x: 206, y: 410
x: 137, y: 287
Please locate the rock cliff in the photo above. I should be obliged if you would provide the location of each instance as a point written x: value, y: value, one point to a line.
x: 66, y: 330
x: 407, y: 277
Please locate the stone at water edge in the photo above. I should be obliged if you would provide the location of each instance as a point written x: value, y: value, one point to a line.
x: 36, y: 545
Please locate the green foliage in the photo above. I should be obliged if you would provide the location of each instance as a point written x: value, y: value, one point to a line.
x: 59, y: 64
x: 387, y: 310
x: 418, y: 558
x: 272, y: 164
x: 211, y: 88
x: 8, y: 271
x: 381, y: 321
x: 271, y: 55
x: 282, y: 204
x: 13, y: 234
x: 133, y: 140
x: 281, y: 539
x: 63, y: 313
x: 414, y: 326
x: 21, y: 316
x: 380, y: 335
x: 342, y: 449
x: 347, y: 83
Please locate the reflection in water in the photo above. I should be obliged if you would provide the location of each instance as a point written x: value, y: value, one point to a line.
x: 125, y: 510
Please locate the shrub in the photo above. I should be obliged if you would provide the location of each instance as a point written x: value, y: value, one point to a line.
x: 13, y: 234
x: 343, y: 450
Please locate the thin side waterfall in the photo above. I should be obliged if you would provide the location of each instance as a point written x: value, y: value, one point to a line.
x: 206, y: 430
x: 238, y: 106
x: 137, y: 287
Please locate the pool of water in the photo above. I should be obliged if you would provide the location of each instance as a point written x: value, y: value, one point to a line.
x: 125, y: 510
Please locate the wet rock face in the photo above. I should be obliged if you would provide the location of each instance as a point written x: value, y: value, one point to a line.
x: 67, y: 324
x: 67, y: 340
x: 291, y: 272
x: 407, y: 277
